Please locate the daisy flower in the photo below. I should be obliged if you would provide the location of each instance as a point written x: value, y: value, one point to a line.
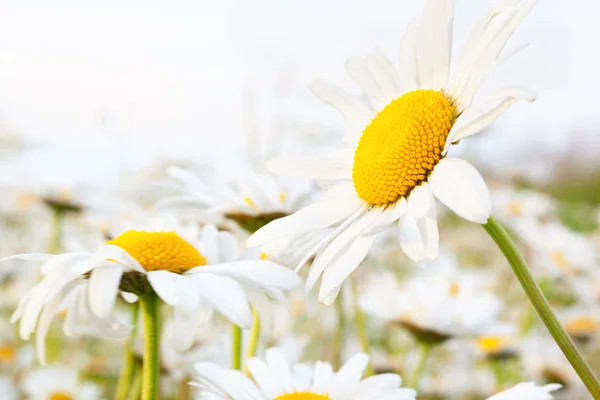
x: 58, y: 383
x: 8, y: 390
x: 275, y: 379
x: 394, y: 161
x: 529, y: 391
x: 438, y: 302
x: 191, y: 279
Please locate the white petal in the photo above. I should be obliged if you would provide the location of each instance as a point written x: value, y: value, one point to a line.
x: 336, y: 205
x: 261, y: 273
x: 408, y: 59
x: 433, y: 51
x: 458, y: 185
x: 390, y: 215
x: 312, y: 167
x: 354, y: 111
x: 103, y: 289
x: 429, y: 232
x: 344, y: 265
x: 129, y: 297
x: 419, y: 201
x: 361, y: 74
x: 263, y: 377
x: 385, y: 74
x: 278, y: 365
x: 116, y: 254
x: 349, y: 375
x: 410, y: 238
x: 225, y: 295
x: 167, y: 285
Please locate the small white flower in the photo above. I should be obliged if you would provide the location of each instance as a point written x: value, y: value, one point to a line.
x: 394, y: 161
x: 275, y: 379
x: 439, y: 299
x: 192, y: 280
x: 58, y: 383
x: 8, y: 390
x: 529, y: 391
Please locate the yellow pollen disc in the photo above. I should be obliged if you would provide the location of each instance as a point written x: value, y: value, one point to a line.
x: 558, y: 257
x: 401, y: 145
x: 60, y: 396
x: 264, y: 256
x: 159, y: 250
x: 250, y: 202
x: 581, y: 326
x: 8, y: 353
x: 282, y: 197
x: 303, y: 396
x: 492, y: 344
x: 454, y: 288
x: 514, y: 208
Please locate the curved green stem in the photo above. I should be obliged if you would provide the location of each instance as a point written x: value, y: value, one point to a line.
x: 254, y: 338
x: 149, y: 304
x: 136, y: 385
x: 537, y: 298
x: 236, y: 347
x: 56, y: 228
x: 129, y: 363
x: 424, y: 352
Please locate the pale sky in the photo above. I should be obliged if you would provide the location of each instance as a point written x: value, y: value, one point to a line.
x: 113, y: 82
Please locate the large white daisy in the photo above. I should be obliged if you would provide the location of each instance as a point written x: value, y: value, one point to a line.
x: 395, y: 156
x: 275, y: 379
x: 58, y: 383
x: 213, y: 275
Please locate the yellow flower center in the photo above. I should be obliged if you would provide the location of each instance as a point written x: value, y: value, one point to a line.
x: 60, y: 396
x: 581, y: 326
x: 303, y: 396
x: 559, y: 258
x: 157, y: 251
x: 401, y: 145
x: 8, y: 353
x: 454, y: 288
x: 492, y: 344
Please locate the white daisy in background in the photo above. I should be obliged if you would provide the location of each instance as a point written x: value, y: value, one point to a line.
x: 275, y: 379
x: 8, y: 390
x: 512, y: 206
x: 212, y: 276
x: 58, y: 383
x: 439, y: 301
x: 529, y: 391
x: 558, y: 249
x: 581, y: 323
x: 394, y: 159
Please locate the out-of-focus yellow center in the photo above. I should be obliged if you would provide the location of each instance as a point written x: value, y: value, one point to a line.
x: 492, y: 344
x: 303, y: 396
x: 157, y: 251
x: 454, y: 288
x: 581, y: 326
x: 60, y: 396
x: 401, y: 145
x: 559, y: 258
x: 8, y: 353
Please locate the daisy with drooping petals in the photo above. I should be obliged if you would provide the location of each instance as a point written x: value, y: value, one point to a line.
x: 212, y: 276
x: 58, y: 383
x: 396, y: 148
x: 529, y: 391
x: 276, y: 380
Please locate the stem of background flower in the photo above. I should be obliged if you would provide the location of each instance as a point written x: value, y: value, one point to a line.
x: 55, y: 230
x: 537, y: 298
x: 254, y: 338
x: 236, y: 347
x: 149, y: 304
x: 128, y: 369
x: 424, y: 352
x: 361, y: 326
x: 136, y: 384
x: 340, y: 335
x: 183, y: 389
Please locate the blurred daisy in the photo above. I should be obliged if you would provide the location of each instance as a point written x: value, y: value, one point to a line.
x: 437, y: 303
x: 543, y: 361
x: 512, y: 205
x: 58, y: 383
x: 529, y: 391
x: 563, y: 252
x: 212, y: 276
x: 274, y: 379
x: 8, y: 390
x: 396, y: 148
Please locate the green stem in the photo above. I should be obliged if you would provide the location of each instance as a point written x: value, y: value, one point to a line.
x: 55, y: 230
x: 415, y: 377
x: 128, y: 369
x: 537, y: 298
x: 149, y: 304
x: 254, y: 338
x: 361, y: 325
x: 236, y: 347
x: 136, y: 384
